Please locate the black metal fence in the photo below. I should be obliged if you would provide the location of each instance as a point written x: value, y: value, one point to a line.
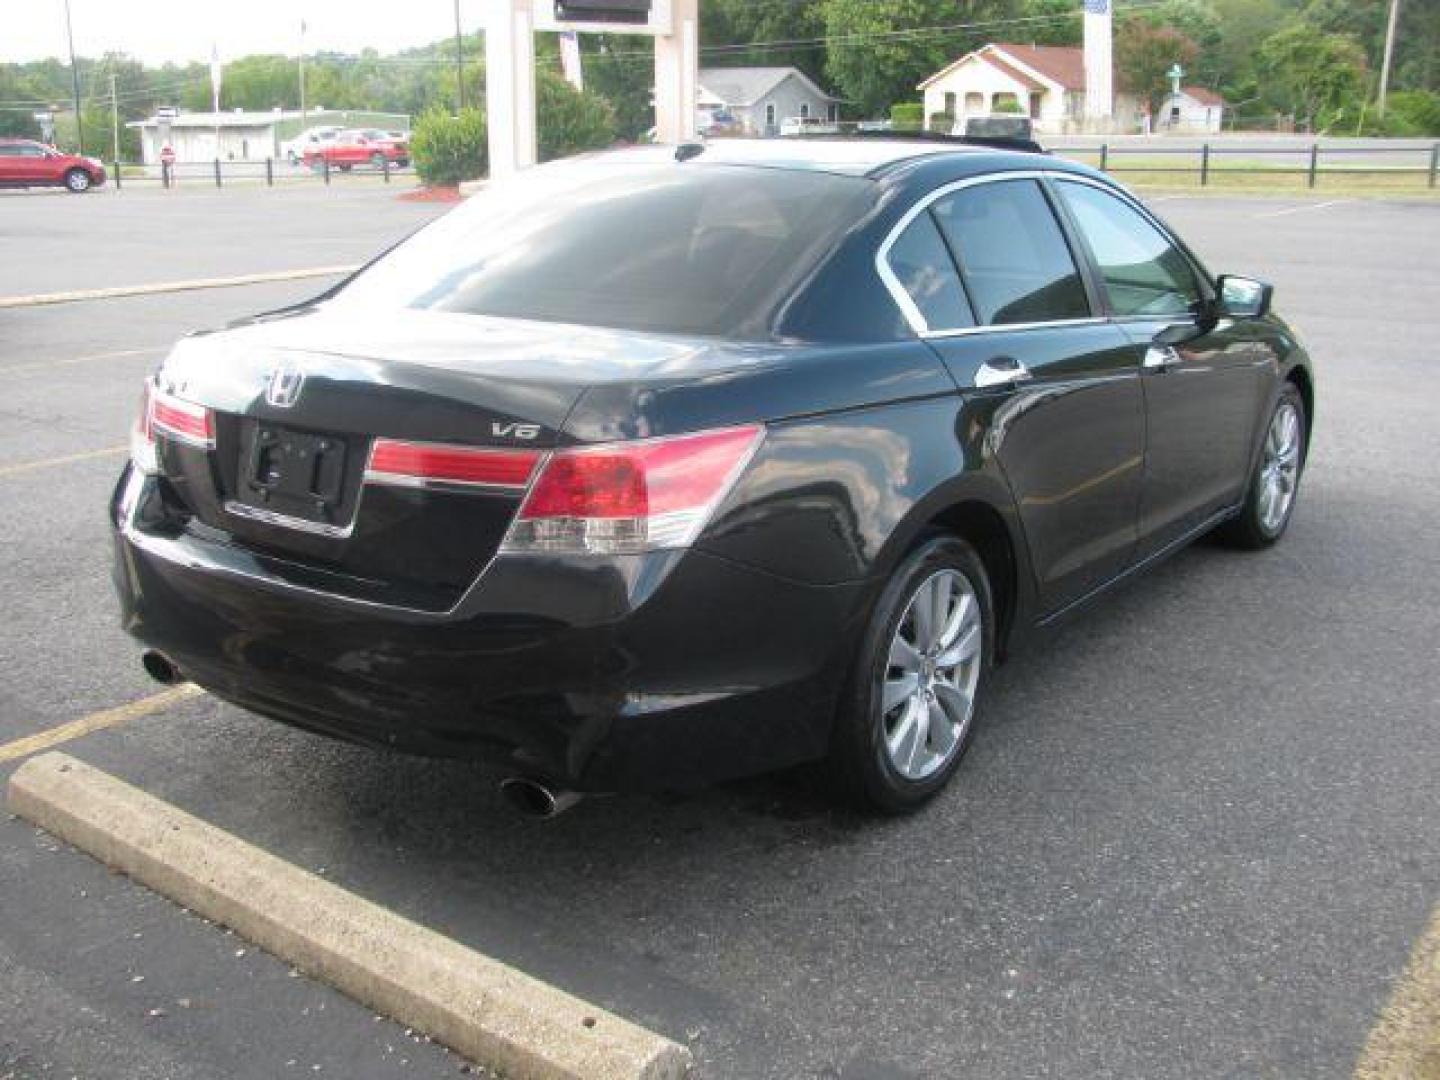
x: 1209, y: 160
x: 269, y: 173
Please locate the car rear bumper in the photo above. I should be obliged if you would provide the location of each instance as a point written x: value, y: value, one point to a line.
x: 663, y: 671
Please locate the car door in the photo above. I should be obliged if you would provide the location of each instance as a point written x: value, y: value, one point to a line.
x: 9, y: 163
x: 29, y: 165
x: 1203, y: 391
x: 992, y: 284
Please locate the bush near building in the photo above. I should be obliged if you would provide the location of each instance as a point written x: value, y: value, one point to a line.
x: 449, y: 149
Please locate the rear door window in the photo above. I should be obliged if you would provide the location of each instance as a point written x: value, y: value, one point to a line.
x: 1013, y: 257
x: 1144, y: 273
x: 921, y: 264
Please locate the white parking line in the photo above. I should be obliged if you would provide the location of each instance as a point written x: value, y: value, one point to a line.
x: 1303, y: 209
x: 485, y: 1010
x: 171, y: 286
x: 50, y: 365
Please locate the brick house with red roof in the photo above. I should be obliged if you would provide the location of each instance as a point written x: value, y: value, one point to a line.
x: 1047, y: 82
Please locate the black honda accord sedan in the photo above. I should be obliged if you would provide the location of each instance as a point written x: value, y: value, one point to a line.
x: 650, y: 469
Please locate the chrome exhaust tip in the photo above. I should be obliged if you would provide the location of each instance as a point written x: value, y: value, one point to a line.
x: 161, y: 668
x: 535, y: 799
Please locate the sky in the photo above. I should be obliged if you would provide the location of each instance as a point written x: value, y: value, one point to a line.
x: 179, y: 30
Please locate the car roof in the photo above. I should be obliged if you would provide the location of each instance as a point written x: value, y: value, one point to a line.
x: 847, y: 156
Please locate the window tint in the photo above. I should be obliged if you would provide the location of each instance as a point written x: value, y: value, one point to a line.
x: 1012, y: 253
x: 662, y: 247
x: 1144, y: 273
x: 919, y: 260
x: 10, y: 150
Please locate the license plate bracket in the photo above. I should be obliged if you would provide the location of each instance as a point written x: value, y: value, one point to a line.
x: 299, y: 473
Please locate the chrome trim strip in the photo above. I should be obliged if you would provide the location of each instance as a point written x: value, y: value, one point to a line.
x: 1000, y: 328
x: 426, y: 483
x: 285, y: 521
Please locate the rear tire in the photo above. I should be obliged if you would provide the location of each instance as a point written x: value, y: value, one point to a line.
x: 77, y: 181
x: 1275, y: 484
x: 907, y: 716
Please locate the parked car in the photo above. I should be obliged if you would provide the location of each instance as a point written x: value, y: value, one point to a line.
x: 351, y: 148
x: 808, y: 125
x: 644, y: 470
x: 26, y: 163
x: 310, y: 139
x: 713, y: 123
x: 999, y: 126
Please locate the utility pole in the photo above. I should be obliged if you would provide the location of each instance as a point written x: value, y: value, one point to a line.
x: 459, y: 63
x: 114, y: 123
x: 74, y: 80
x: 1389, y: 52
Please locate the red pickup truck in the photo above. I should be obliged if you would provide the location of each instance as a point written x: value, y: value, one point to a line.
x: 360, y: 147
x: 26, y: 163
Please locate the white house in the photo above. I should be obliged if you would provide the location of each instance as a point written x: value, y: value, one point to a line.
x: 1193, y: 109
x: 1046, y: 82
x: 762, y: 98
x: 241, y: 135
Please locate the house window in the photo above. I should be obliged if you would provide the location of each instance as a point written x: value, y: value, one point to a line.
x: 804, y: 110
x: 974, y: 102
x: 949, y: 104
x: 834, y: 112
x: 1035, y: 99
x: 769, y: 114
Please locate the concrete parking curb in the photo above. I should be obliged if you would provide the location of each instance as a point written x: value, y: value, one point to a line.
x: 78, y: 295
x: 480, y: 1008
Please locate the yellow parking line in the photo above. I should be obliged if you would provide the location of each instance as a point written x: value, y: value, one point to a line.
x: 45, y: 463
x: 159, y: 287
x: 1405, y: 1043
x: 98, y: 721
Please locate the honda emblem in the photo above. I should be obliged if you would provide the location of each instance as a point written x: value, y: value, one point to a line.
x: 283, y: 390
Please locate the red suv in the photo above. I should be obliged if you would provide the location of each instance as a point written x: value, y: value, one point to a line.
x: 351, y: 148
x: 25, y: 163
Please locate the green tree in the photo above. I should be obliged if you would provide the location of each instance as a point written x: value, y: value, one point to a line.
x: 1143, y: 55
x: 747, y: 22
x: 1318, y: 77
x: 872, y: 67
x: 570, y: 121
x: 1050, y: 22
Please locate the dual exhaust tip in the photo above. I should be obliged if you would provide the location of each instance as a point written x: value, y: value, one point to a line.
x: 530, y: 797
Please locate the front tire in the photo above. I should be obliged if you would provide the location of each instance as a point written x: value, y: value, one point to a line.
x: 1275, y: 483
x: 78, y: 181
x: 908, y: 714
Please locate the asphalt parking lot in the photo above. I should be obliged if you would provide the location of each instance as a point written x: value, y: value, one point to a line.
x: 1197, y: 835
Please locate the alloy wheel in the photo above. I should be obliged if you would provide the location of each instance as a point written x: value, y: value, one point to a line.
x: 928, y: 693
x: 1279, y: 467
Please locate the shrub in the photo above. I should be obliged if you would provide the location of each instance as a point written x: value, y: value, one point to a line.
x: 907, y: 114
x: 941, y: 121
x: 448, y: 149
x: 571, y: 121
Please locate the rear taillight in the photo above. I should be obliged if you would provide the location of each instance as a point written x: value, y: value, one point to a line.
x: 625, y: 498
x: 409, y: 464
x: 181, y: 420
x: 165, y: 415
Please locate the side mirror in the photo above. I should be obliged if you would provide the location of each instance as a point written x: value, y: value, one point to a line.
x: 1244, y: 296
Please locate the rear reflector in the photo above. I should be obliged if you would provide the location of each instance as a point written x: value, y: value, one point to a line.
x: 409, y: 464
x: 624, y: 498
x: 181, y: 420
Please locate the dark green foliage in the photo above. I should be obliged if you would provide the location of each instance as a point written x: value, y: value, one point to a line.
x: 449, y: 149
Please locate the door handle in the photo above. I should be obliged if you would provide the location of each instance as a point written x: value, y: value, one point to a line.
x: 1001, y: 371
x: 1160, y: 358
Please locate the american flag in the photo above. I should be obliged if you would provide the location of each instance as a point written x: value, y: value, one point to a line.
x: 1097, y: 7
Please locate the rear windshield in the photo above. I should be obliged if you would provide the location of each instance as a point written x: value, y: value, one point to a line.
x: 671, y: 248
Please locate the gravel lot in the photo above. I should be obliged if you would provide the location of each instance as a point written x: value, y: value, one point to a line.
x: 1196, y: 836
